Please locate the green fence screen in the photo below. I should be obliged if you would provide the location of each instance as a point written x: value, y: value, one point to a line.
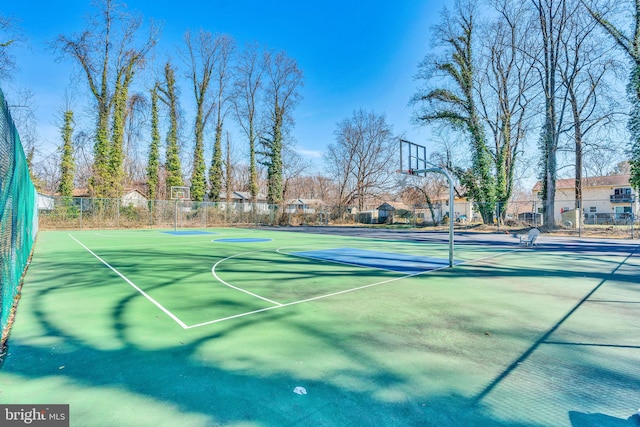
x: 18, y: 214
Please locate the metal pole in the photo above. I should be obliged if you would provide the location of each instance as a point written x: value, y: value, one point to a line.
x: 580, y: 218
x: 633, y: 217
x: 450, y: 217
x: 451, y: 198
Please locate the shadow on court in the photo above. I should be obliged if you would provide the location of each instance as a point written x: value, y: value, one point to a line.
x: 529, y: 339
x: 130, y: 383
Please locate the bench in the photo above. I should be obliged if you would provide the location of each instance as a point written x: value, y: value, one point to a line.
x: 530, y: 238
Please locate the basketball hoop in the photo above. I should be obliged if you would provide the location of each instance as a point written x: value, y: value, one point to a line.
x: 413, y: 161
x: 180, y: 193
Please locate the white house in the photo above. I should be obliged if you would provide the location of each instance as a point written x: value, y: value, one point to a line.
x: 305, y: 206
x: 45, y: 202
x: 603, y: 198
x: 390, y: 211
x: 134, y: 198
x: 242, y: 200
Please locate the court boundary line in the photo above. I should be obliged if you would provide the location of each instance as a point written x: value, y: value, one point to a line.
x: 133, y: 285
x: 344, y: 291
x: 276, y: 304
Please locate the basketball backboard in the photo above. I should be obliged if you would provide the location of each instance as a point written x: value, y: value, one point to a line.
x: 413, y: 158
x: 180, y: 193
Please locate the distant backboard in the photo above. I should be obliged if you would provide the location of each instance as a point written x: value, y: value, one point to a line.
x: 413, y: 157
x: 180, y: 193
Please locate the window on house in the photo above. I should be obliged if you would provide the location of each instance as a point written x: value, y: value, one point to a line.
x: 592, y: 209
x: 622, y: 191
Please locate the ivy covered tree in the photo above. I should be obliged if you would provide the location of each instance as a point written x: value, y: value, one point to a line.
x: 629, y: 44
x: 457, y: 106
x: 225, y: 47
x: 67, y: 165
x: 119, y: 116
x: 109, y: 56
x: 153, y: 166
x: 283, y: 78
x: 169, y: 96
x: 202, y: 55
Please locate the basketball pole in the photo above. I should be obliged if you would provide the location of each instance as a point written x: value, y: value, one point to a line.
x: 175, y: 217
x: 451, y: 198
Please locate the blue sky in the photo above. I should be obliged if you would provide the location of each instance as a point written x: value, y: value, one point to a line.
x: 354, y: 54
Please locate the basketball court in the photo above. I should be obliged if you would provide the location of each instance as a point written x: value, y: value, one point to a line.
x: 327, y: 326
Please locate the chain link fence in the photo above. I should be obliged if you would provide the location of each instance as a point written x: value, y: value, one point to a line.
x: 599, y: 218
x: 18, y: 215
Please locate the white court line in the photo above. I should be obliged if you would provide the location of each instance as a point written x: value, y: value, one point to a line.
x: 143, y: 293
x: 213, y: 271
x: 309, y: 299
x: 276, y: 304
x: 235, y: 316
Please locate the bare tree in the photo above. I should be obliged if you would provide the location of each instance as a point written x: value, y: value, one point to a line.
x: 83, y: 158
x: 229, y: 169
x: 294, y: 167
x: 9, y: 37
x: 23, y: 114
x: 249, y: 75
x: 136, y: 117
x: 362, y: 158
x: 225, y: 48
x: 552, y: 17
x: 586, y: 64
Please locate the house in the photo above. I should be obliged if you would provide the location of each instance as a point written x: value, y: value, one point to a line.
x: 46, y: 202
x: 130, y: 197
x: 389, y: 212
x: 463, y: 210
x: 134, y: 198
x: 305, y: 206
x: 243, y: 198
x: 604, y: 198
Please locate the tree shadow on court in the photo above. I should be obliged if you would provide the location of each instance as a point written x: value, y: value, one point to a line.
x: 579, y: 419
x: 187, y: 373
x: 182, y: 376
x: 178, y: 376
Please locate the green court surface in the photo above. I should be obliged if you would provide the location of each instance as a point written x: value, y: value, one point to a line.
x: 266, y: 327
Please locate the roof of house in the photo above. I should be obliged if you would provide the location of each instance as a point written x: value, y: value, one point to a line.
x: 135, y: 190
x: 395, y: 205
x: 243, y: 195
x: 594, y: 181
x: 80, y: 192
x: 307, y: 202
x: 84, y: 192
